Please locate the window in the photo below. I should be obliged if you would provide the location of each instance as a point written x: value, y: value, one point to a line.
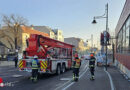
x: 118, y: 44
x: 120, y: 41
x: 124, y: 39
x: 128, y: 35
x: 127, y: 39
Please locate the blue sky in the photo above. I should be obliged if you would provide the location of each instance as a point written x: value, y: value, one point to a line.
x: 74, y: 17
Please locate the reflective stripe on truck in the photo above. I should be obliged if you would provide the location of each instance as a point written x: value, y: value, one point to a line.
x: 43, y: 66
x: 21, y: 64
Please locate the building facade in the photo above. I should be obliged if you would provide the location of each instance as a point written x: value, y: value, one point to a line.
x: 58, y: 34
x: 122, y: 32
x: 26, y: 31
x: 53, y: 33
x: 7, y: 37
x: 77, y: 42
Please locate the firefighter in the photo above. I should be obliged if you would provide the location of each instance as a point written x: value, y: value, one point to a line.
x: 76, y: 66
x: 35, y: 67
x: 92, y: 66
x: 76, y: 54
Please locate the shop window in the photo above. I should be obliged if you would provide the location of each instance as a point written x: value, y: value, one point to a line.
x: 124, y: 40
x: 127, y: 39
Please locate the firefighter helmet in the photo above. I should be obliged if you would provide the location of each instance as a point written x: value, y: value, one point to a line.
x: 91, y: 55
x: 35, y: 56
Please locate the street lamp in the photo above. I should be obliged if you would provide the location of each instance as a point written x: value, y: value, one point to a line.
x: 105, y: 35
x: 94, y: 21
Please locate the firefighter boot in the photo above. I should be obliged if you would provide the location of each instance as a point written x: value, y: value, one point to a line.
x: 93, y: 77
x: 77, y: 78
x: 35, y: 79
x: 73, y: 77
x: 31, y: 78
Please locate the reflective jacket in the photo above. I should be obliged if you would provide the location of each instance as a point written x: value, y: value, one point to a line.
x: 92, y: 62
x: 77, y: 63
x: 35, y: 64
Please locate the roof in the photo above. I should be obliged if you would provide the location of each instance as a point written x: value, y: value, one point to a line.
x: 42, y: 29
x: 33, y: 31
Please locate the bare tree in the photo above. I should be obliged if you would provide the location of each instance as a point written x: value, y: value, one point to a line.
x: 13, y: 23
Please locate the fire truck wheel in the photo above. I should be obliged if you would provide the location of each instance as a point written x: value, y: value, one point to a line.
x: 63, y: 68
x: 58, y: 70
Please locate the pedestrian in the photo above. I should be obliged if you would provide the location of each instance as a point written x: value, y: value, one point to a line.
x: 35, y: 67
x: 92, y: 66
x: 16, y: 61
x: 76, y: 66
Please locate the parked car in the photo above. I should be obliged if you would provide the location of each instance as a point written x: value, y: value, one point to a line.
x: 10, y: 57
x: 99, y: 59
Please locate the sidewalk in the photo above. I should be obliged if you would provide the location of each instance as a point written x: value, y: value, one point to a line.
x: 7, y: 63
x: 120, y: 83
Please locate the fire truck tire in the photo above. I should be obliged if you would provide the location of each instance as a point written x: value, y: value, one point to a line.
x: 58, y: 70
x: 63, y: 68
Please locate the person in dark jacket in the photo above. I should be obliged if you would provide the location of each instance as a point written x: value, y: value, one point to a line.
x: 16, y: 61
x: 92, y: 65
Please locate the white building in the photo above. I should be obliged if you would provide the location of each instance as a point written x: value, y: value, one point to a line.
x: 59, y: 34
x: 53, y: 33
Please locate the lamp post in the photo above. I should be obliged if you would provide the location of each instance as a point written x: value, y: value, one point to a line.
x: 105, y: 35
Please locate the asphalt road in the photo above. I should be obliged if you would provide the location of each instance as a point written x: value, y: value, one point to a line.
x: 16, y: 80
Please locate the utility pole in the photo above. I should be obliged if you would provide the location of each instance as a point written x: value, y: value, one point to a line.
x: 106, y: 31
x: 105, y: 34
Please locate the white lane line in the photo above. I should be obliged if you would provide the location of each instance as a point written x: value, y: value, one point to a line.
x: 110, y: 78
x: 17, y: 76
x: 63, y: 85
x: 74, y: 82
x: 68, y: 86
x: 63, y: 79
x: 70, y: 80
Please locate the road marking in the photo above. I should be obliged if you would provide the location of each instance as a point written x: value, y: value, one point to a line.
x: 68, y: 86
x: 63, y: 85
x: 74, y: 82
x: 71, y: 80
x: 110, y: 78
x: 66, y: 79
x: 16, y: 75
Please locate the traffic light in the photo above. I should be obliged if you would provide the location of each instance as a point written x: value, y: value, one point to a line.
x: 102, y: 39
x: 108, y: 37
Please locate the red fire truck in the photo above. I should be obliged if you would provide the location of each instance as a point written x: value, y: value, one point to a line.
x: 54, y: 56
